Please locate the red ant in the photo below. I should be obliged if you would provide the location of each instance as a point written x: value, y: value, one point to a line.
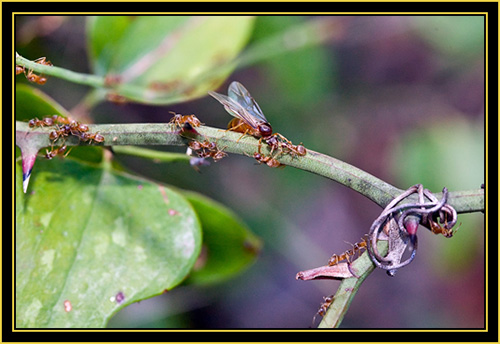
x: 58, y: 151
x: 32, y: 77
x: 96, y: 137
x: 43, y: 61
x: 75, y: 127
x: 207, y: 145
x: 327, y: 301
x: 356, y: 248
x: 61, y: 120
x: 268, y: 160
x: 35, y: 122
x: 299, y: 149
x: 179, y: 120
x: 218, y: 155
x: 437, y: 228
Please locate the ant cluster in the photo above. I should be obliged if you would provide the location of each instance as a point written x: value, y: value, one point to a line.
x: 203, y: 149
x: 207, y: 149
x: 64, y: 127
x: 347, y: 255
x: 282, y: 145
x: 268, y: 160
x: 30, y: 75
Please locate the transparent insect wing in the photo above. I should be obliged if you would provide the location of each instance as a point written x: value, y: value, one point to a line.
x: 240, y: 94
x: 236, y: 110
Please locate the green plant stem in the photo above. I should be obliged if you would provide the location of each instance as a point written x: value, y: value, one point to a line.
x: 167, y: 134
x: 78, y: 78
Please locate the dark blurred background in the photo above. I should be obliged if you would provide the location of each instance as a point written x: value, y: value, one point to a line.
x: 401, y: 97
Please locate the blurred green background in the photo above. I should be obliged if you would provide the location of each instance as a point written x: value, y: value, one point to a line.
x: 401, y: 97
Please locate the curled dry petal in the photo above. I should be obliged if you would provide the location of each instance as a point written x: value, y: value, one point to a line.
x: 339, y: 271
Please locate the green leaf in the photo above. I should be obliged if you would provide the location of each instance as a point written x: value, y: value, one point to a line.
x: 90, y: 241
x: 103, y: 38
x: 32, y: 102
x: 168, y: 59
x: 228, y: 245
x: 139, y: 38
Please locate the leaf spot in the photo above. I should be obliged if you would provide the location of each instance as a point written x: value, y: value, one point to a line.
x: 67, y: 306
x: 185, y: 243
x: 32, y: 311
x: 118, y: 236
x: 47, y: 259
x: 101, y: 246
x: 45, y: 219
x: 140, y: 253
x: 120, y: 297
